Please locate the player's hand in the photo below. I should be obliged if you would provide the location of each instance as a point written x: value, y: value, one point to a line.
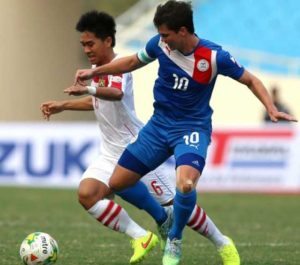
x: 281, y: 116
x: 76, y: 90
x: 82, y: 75
x: 51, y: 107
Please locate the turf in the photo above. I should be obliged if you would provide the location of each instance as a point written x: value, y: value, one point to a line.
x: 266, y: 228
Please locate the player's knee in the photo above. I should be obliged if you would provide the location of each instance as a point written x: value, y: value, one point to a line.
x: 87, y: 197
x: 185, y: 186
x: 121, y: 179
x: 115, y: 185
x: 84, y: 194
x: 84, y: 197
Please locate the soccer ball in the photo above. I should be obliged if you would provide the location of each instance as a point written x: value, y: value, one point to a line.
x: 39, y: 248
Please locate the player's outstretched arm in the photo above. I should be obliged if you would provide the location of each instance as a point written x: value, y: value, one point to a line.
x: 118, y: 66
x: 51, y: 107
x: 106, y: 93
x: 259, y: 90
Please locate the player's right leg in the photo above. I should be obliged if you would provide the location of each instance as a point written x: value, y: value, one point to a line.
x: 200, y: 222
x: 162, y: 188
x: 138, y: 159
x: 92, y: 195
x: 137, y: 194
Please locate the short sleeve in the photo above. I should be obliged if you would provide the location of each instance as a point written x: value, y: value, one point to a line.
x: 228, y: 66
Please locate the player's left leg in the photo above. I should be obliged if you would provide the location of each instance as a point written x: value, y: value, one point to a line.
x: 184, y: 203
x: 190, y: 152
x: 190, y: 148
x: 161, y: 184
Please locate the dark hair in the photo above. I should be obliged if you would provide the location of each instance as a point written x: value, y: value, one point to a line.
x: 100, y: 23
x: 175, y: 14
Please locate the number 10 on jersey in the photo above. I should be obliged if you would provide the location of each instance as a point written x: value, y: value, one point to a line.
x: 180, y: 83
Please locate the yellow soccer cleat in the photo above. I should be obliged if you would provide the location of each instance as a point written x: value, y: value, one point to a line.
x: 229, y: 254
x: 141, y: 246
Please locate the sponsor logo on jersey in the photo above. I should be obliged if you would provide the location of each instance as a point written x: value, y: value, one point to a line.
x: 117, y: 79
x: 235, y: 62
x: 195, y: 162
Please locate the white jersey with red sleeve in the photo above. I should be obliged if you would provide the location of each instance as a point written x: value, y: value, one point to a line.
x: 119, y: 126
x: 117, y: 119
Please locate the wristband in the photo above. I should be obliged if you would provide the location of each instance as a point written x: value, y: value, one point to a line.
x: 91, y: 90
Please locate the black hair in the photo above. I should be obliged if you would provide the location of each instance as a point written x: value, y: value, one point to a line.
x: 100, y: 23
x: 175, y: 14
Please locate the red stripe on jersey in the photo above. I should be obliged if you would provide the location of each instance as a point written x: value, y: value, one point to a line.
x: 106, y: 212
x: 96, y: 79
x: 196, y: 216
x: 113, y: 216
x: 202, y: 66
x: 105, y: 80
x: 116, y: 83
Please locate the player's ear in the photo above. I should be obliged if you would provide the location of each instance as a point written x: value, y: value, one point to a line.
x: 183, y: 31
x: 108, y: 41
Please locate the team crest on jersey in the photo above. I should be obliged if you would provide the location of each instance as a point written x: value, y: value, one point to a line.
x: 101, y: 82
x: 203, y: 65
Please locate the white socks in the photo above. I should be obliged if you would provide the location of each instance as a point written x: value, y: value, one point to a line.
x: 202, y: 224
x: 112, y: 215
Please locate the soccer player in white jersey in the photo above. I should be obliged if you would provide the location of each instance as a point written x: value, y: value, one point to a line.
x: 113, y: 103
x: 181, y: 123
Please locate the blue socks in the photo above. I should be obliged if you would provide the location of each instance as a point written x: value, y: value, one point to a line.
x: 184, y: 204
x: 139, y: 196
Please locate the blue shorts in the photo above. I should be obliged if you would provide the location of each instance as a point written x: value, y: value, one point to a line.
x: 155, y: 144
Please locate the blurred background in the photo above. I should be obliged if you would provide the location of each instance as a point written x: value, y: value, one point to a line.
x: 40, y: 52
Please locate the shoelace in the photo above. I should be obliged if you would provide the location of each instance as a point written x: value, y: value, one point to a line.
x: 174, y: 248
x: 164, y: 228
x: 163, y: 231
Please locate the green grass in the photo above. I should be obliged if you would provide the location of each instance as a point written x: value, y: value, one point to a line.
x: 266, y: 229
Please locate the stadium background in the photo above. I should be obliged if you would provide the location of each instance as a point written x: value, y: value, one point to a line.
x: 40, y: 51
x: 39, y: 54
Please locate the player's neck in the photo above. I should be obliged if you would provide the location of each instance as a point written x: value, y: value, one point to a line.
x: 190, y: 44
x: 110, y: 55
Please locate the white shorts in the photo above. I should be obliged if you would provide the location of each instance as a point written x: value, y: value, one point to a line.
x: 160, y: 182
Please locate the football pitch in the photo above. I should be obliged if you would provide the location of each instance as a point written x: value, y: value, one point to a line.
x: 266, y: 228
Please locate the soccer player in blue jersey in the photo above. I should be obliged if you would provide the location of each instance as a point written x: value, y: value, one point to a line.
x: 181, y: 123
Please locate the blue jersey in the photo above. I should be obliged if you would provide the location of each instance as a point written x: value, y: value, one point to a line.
x: 185, y: 82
